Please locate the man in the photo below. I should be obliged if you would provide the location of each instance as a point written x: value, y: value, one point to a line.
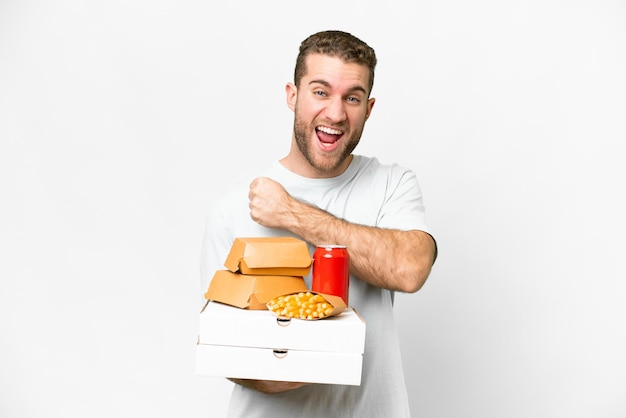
x: 324, y: 194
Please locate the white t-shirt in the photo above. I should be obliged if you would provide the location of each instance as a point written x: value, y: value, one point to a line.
x: 367, y: 193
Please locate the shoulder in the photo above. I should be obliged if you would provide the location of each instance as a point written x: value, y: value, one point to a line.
x: 390, y: 172
x: 363, y: 162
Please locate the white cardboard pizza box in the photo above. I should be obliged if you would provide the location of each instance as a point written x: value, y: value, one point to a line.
x: 240, y: 343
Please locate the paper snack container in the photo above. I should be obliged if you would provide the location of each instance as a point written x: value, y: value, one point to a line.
x: 337, y: 303
x: 275, y: 256
x: 250, y: 291
x: 255, y: 344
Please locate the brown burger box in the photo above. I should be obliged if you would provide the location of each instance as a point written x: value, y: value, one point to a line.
x: 274, y: 256
x: 250, y: 291
x: 256, y: 344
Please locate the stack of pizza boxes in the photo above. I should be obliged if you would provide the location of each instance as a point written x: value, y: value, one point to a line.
x: 239, y: 337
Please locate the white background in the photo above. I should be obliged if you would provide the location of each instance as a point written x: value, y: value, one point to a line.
x: 120, y: 120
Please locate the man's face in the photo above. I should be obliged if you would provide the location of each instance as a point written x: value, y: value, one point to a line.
x: 331, y: 106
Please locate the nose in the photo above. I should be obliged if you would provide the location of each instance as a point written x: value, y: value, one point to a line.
x: 336, y: 110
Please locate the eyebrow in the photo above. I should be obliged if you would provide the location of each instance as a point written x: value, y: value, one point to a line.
x: 327, y: 84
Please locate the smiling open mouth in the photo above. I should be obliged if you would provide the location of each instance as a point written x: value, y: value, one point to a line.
x: 328, y: 136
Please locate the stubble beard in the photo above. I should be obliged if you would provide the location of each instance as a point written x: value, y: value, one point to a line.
x: 331, y: 161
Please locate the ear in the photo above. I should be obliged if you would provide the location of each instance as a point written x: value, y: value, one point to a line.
x: 370, y: 106
x: 292, y: 95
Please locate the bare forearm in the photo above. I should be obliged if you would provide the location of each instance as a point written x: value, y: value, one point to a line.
x: 392, y: 259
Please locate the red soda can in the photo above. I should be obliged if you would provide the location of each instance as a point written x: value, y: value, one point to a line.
x: 331, y: 271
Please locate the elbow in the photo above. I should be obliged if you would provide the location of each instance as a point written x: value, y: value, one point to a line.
x: 414, y: 283
x: 417, y: 271
x: 411, y: 288
x: 416, y: 275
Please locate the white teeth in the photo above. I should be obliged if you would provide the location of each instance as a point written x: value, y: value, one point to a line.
x: 329, y: 130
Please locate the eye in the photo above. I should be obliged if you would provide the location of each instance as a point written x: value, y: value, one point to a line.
x: 353, y: 99
x: 320, y: 93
